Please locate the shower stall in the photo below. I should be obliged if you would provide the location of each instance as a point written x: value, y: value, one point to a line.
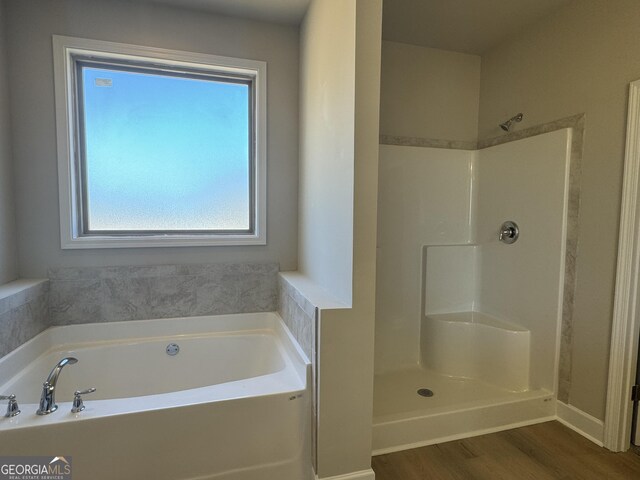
x: 470, y: 275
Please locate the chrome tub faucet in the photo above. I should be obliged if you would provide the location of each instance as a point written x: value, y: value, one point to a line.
x: 48, y: 398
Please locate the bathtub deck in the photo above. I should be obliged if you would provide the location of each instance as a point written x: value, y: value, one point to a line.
x: 459, y: 407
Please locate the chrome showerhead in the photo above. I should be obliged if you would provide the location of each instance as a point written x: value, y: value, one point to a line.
x: 506, y: 126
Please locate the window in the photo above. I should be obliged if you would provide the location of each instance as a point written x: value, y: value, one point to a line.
x: 157, y: 147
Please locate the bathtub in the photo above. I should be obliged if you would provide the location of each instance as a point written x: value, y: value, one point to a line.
x: 232, y: 404
x: 479, y: 346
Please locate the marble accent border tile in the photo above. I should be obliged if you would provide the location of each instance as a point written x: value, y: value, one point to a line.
x: 27, y: 316
x: 427, y: 142
x: 574, y: 121
x: 106, y: 294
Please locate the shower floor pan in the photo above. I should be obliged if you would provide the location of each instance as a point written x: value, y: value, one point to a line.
x: 459, y: 408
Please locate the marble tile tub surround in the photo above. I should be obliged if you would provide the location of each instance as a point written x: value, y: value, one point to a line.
x: 24, y: 312
x: 107, y: 294
x: 577, y: 124
x: 298, y: 314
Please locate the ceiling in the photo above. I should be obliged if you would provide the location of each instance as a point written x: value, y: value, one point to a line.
x: 278, y: 11
x: 468, y: 26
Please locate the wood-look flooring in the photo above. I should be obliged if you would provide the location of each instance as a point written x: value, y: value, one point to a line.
x: 547, y: 451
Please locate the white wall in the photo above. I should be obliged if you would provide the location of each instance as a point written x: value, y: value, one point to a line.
x: 429, y: 93
x: 340, y: 91
x: 30, y: 27
x: 8, y: 249
x: 327, y: 106
x: 581, y: 59
x: 524, y: 181
x: 424, y: 198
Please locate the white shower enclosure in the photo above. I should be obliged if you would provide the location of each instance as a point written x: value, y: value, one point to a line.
x: 458, y: 312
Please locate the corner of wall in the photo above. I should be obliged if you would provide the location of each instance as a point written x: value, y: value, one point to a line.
x: 8, y: 238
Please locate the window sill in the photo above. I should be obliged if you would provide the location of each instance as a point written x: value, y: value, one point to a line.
x: 151, y: 241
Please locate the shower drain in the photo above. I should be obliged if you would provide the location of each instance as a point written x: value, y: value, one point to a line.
x: 425, y: 392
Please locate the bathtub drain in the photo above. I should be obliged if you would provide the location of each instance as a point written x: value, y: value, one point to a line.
x: 173, y: 349
x: 425, y: 392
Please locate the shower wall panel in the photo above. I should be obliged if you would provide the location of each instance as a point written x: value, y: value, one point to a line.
x: 424, y: 198
x: 450, y: 278
x: 525, y: 181
x: 431, y: 197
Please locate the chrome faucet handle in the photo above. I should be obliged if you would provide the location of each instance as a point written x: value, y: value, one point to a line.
x: 78, y: 404
x: 12, y: 408
x: 508, y: 232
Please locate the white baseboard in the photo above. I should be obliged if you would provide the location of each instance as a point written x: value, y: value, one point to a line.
x: 581, y: 422
x: 361, y: 475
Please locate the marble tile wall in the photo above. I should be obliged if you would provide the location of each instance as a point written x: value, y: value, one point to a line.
x: 24, y: 312
x: 300, y: 316
x: 108, y: 294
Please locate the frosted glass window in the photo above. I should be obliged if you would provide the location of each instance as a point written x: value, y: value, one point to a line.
x: 164, y: 151
x: 158, y: 147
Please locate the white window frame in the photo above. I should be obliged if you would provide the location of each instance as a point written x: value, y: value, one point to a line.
x: 71, y: 236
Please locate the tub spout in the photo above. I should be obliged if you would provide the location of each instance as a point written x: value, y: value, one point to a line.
x: 48, y: 398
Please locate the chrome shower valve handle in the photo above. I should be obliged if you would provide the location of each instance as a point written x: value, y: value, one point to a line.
x: 509, y: 232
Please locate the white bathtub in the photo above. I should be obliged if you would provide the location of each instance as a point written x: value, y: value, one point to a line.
x: 233, y: 404
x: 479, y: 346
